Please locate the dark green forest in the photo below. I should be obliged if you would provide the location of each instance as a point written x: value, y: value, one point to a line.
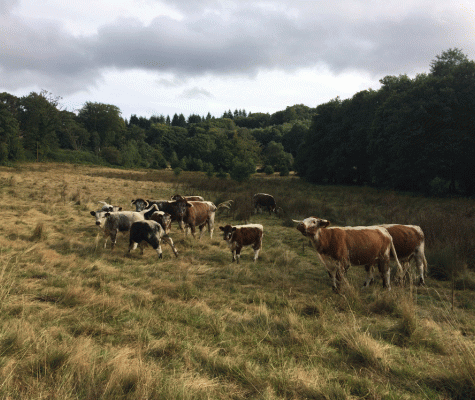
x: 413, y: 134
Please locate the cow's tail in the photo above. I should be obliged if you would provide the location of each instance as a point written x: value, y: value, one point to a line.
x: 400, y: 273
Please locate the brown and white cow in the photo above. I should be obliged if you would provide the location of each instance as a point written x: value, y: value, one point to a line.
x: 239, y: 236
x: 264, y: 200
x: 163, y: 218
x: 189, y: 198
x: 194, y: 214
x: 409, y: 243
x: 339, y: 247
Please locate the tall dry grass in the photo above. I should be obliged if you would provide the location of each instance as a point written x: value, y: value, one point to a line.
x: 82, y: 322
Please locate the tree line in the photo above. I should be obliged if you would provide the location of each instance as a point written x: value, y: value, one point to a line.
x: 414, y: 134
x: 36, y: 128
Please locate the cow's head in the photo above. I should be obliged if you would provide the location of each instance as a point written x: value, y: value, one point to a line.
x: 100, y: 216
x: 228, y: 231
x: 164, y: 219
x: 140, y: 204
x: 309, y: 226
x: 180, y: 206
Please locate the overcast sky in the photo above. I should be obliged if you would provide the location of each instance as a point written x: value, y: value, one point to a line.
x: 152, y: 57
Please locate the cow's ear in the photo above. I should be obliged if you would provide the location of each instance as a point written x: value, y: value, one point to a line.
x: 324, y: 223
x: 107, y: 214
x: 222, y: 228
x: 93, y: 213
x: 110, y: 209
x: 234, y: 228
x: 189, y: 205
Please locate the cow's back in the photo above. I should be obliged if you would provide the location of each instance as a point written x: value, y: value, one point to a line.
x: 406, y: 238
x: 358, y: 245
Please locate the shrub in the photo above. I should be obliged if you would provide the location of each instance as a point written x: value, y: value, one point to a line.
x: 268, y: 170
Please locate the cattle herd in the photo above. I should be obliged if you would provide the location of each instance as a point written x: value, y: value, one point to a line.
x: 336, y: 247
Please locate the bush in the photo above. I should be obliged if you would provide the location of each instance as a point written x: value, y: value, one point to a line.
x: 242, y: 170
x: 268, y: 170
x: 284, y: 171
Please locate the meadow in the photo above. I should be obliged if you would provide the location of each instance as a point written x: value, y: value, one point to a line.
x: 82, y: 322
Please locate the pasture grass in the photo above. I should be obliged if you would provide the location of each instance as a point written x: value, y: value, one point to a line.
x: 82, y: 322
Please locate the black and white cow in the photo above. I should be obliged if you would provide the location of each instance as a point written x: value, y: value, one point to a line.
x: 99, y: 214
x: 239, y: 236
x: 121, y: 221
x: 152, y: 233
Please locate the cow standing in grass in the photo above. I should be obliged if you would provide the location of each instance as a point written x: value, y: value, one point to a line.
x: 409, y: 243
x: 339, y: 247
x: 115, y: 222
x: 239, y: 236
x: 150, y: 232
x: 194, y: 214
x: 264, y: 200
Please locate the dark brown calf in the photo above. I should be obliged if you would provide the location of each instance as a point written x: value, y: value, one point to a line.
x: 243, y: 235
x: 263, y: 200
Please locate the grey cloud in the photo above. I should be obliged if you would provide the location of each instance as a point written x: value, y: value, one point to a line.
x: 196, y: 93
x: 248, y: 39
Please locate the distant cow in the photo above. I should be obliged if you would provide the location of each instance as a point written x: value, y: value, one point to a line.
x: 189, y: 198
x: 409, y: 243
x: 239, y: 236
x: 195, y: 213
x: 152, y: 233
x: 263, y: 200
x: 339, y: 247
x: 121, y: 221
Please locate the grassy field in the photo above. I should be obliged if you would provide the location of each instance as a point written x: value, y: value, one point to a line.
x: 82, y: 322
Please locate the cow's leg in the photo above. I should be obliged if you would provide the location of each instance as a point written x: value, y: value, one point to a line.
x: 132, y: 245
x: 193, y: 230
x: 420, y: 265
x: 106, y: 236
x: 182, y: 226
x: 383, y: 266
x: 155, y: 242
x: 238, y: 253
x: 202, y: 227
x: 113, y: 236
x: 257, y: 248
x: 167, y: 239
x: 211, y: 226
x: 369, y: 276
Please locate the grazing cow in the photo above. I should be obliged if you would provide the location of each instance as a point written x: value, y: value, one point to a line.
x: 99, y: 214
x: 189, y: 198
x: 152, y: 233
x: 263, y: 200
x: 339, y: 247
x: 115, y: 222
x: 409, y: 243
x: 243, y: 235
x: 195, y: 213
